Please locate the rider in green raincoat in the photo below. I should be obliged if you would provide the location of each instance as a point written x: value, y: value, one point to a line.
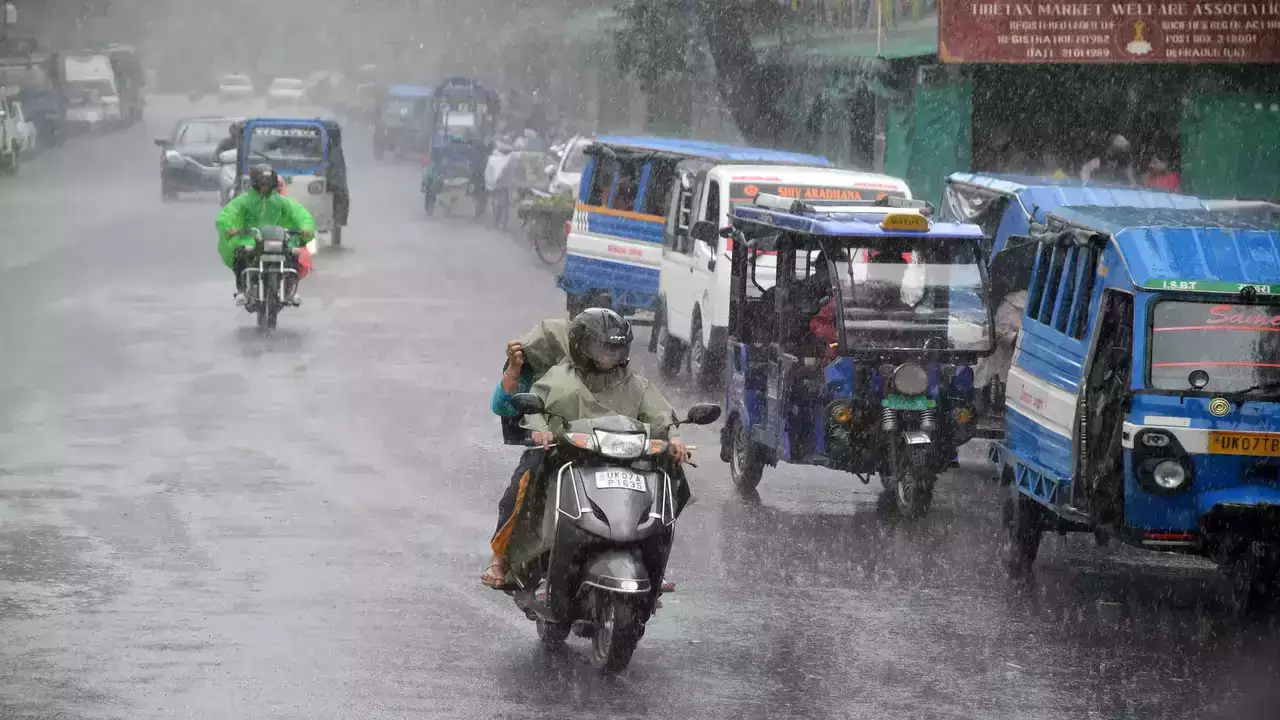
x: 262, y: 206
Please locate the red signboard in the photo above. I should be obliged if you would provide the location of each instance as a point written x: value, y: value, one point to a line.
x: 1073, y: 31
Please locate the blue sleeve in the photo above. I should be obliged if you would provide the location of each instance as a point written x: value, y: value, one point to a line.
x: 500, y: 404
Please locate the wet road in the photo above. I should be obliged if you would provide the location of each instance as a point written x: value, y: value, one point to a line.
x: 199, y: 522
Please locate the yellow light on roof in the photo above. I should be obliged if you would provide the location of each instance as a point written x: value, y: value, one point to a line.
x: 905, y: 221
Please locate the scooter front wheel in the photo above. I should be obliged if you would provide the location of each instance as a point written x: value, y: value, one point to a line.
x: 617, y: 633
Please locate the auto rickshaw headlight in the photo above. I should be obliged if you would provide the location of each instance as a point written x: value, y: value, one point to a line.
x: 841, y: 414
x: 963, y: 416
x: 910, y: 379
x: 1170, y: 474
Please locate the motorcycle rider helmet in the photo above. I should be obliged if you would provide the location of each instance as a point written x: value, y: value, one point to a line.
x: 600, y: 340
x: 263, y: 179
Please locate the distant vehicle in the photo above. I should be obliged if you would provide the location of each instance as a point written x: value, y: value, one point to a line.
x: 94, y: 101
x: 187, y: 159
x: 567, y: 176
x: 235, y: 87
x: 10, y: 137
x: 286, y: 91
x: 130, y: 79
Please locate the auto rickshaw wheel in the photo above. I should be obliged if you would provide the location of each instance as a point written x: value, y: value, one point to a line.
x: 1023, y: 525
x: 913, y: 494
x: 747, y: 466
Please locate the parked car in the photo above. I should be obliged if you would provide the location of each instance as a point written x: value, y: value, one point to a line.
x: 187, y: 162
x: 286, y: 91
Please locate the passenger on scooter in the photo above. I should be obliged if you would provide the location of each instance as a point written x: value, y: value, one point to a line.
x: 594, y: 380
x: 262, y: 206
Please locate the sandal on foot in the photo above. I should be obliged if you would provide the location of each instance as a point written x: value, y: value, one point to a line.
x: 490, y: 579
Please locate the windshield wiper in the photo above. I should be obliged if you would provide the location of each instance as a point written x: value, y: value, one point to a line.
x: 1273, y: 385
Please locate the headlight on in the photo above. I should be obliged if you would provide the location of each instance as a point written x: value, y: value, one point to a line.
x: 273, y: 247
x: 1170, y: 475
x: 910, y: 379
x: 617, y: 445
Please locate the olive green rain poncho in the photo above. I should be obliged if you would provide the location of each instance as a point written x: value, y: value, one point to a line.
x: 545, y: 346
x: 251, y: 210
x: 574, y: 394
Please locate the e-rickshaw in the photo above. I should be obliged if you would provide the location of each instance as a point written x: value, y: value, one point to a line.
x: 874, y: 378
x: 464, y: 114
x: 401, y: 124
x: 307, y: 154
x: 1144, y: 397
x: 1005, y: 206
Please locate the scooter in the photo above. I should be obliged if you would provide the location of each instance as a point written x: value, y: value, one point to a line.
x: 610, y: 504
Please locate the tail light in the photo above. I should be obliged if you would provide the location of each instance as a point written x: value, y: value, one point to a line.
x: 568, y: 228
x: 426, y: 159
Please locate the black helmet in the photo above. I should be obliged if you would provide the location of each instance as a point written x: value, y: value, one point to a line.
x: 263, y: 179
x: 600, y: 340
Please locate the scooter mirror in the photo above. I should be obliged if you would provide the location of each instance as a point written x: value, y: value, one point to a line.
x: 530, y: 404
x: 703, y: 414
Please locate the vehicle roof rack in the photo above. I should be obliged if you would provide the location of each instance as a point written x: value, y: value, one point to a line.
x: 835, y: 207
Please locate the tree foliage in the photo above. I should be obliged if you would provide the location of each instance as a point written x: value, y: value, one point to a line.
x: 652, y: 46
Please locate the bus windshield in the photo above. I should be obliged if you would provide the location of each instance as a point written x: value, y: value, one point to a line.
x: 1237, y: 345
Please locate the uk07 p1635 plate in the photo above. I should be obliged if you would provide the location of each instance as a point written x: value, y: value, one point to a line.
x: 1238, y: 443
x: 621, y: 480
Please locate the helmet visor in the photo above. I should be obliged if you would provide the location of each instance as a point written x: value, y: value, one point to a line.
x: 606, y: 356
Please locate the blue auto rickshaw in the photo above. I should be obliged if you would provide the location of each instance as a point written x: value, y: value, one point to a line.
x: 1143, y: 401
x: 859, y: 356
x: 401, y: 124
x: 463, y: 118
x: 1005, y: 207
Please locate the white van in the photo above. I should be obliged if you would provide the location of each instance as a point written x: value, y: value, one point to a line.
x: 94, y: 100
x: 693, y: 283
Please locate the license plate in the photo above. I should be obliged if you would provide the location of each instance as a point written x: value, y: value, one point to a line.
x: 899, y: 402
x: 1237, y: 443
x: 272, y: 258
x: 621, y: 480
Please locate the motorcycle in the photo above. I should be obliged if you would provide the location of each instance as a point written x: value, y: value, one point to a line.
x: 272, y: 276
x: 606, y: 533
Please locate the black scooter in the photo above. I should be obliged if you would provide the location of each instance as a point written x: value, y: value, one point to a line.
x: 610, y: 504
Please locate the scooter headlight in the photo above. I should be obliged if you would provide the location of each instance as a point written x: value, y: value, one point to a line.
x: 1170, y: 475
x: 619, y: 445
x: 910, y: 379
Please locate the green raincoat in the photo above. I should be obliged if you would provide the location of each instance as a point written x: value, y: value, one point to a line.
x: 545, y: 346
x: 251, y: 210
x: 573, y: 394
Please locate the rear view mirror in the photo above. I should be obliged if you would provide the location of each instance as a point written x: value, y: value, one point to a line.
x: 703, y: 414
x: 227, y: 157
x: 529, y: 404
x: 704, y: 230
x: 160, y: 142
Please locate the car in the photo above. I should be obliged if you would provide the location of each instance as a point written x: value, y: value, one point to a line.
x: 187, y: 157
x: 286, y: 91
x: 567, y: 175
x: 235, y: 87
